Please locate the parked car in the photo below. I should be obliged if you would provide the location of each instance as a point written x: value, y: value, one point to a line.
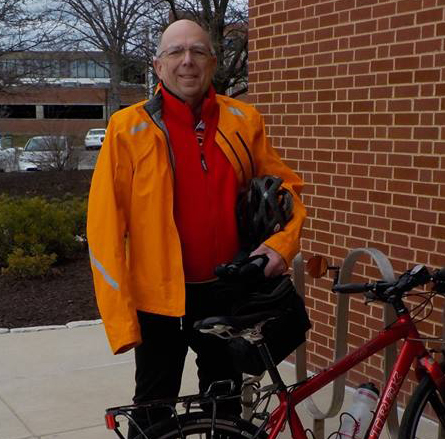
x: 8, y: 155
x: 7, y: 159
x: 94, y: 138
x: 45, y: 153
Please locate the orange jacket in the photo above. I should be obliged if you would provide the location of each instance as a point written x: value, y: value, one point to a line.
x: 134, y: 245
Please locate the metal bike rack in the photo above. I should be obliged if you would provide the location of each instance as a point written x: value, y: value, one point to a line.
x: 338, y: 394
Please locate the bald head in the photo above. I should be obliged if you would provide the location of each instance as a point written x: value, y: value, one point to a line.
x: 185, y: 61
x: 181, y: 28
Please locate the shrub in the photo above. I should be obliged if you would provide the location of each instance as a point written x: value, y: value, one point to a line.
x: 39, y: 227
x: 23, y: 266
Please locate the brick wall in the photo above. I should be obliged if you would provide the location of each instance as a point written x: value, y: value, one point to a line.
x: 353, y: 94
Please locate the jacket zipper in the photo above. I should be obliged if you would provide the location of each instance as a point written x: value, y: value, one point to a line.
x: 203, y: 162
x: 235, y: 154
x: 247, y: 151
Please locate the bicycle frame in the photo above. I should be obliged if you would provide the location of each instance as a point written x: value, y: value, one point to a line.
x: 412, y: 349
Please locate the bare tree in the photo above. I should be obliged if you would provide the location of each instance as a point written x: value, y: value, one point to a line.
x: 227, y: 23
x: 48, y: 153
x: 23, y: 27
x: 110, y: 26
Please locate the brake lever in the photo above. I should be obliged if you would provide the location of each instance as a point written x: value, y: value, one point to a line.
x: 370, y: 296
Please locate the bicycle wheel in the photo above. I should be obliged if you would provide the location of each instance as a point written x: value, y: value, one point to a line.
x: 199, y: 425
x: 424, y: 415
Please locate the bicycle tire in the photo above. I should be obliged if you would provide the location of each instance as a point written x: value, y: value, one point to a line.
x: 199, y: 424
x: 425, y: 398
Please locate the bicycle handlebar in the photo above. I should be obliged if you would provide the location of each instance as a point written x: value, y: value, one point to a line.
x: 388, y: 291
x: 249, y: 269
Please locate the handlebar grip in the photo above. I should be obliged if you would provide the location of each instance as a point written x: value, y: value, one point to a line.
x: 351, y: 288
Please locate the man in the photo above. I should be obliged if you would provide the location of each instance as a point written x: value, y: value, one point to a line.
x: 162, y: 216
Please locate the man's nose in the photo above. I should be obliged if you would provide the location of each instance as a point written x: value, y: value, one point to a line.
x: 188, y: 58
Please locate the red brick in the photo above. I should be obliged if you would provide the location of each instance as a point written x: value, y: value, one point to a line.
x: 406, y: 91
x: 407, y: 6
x: 407, y: 119
x: 267, y: 9
x: 404, y: 49
x: 379, y: 223
x: 364, y: 54
x: 411, y: 63
x: 426, y: 133
x: 382, y: 119
x: 404, y: 20
x: 384, y: 10
x: 360, y: 41
x: 427, y: 75
x: 422, y: 243
x: 429, y: 16
x: 358, y: 119
x: 324, y: 58
x: 381, y: 92
x: 426, y: 189
x: 399, y: 133
x: 380, y: 197
x: 426, y: 104
x: 400, y: 105
x: 358, y: 94
x: 329, y: 20
x: 328, y: 45
x: 363, y: 106
x: 428, y: 46
x: 369, y: 26
x: 403, y: 227
x: 343, y: 30
x: 262, y: 21
x: 363, y: 182
x: 429, y: 162
x: 400, y: 77
x: 379, y: 38
x: 268, y: 32
x: 385, y: 65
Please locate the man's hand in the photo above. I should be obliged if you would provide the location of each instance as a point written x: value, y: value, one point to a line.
x: 276, y: 264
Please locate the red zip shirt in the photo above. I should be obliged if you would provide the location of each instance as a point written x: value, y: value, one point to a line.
x: 206, y: 188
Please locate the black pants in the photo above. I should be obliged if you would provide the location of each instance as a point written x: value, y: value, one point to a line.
x: 161, y: 356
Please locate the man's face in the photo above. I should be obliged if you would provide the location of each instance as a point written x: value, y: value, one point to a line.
x: 185, y: 63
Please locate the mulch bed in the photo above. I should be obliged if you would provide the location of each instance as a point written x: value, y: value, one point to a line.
x: 67, y: 294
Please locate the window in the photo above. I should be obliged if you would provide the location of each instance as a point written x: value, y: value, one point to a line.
x: 18, y: 111
x: 73, y: 111
x: 91, y: 67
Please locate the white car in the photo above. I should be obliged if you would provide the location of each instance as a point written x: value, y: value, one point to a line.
x: 94, y: 138
x: 8, y: 157
x: 46, y: 153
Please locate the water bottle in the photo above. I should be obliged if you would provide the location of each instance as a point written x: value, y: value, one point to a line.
x: 355, y: 422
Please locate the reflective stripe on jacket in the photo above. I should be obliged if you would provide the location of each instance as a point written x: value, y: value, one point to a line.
x: 134, y: 245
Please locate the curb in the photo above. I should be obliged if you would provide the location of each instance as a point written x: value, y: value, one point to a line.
x: 69, y: 325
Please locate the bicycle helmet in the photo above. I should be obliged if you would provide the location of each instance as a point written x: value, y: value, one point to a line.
x: 262, y: 210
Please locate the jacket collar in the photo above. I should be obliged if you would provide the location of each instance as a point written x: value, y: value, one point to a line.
x: 163, y: 96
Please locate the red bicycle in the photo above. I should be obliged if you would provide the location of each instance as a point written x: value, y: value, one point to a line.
x: 428, y: 400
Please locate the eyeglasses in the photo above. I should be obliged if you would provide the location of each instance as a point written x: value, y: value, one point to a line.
x: 198, y: 53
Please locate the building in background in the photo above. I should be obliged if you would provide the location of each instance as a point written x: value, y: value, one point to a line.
x: 61, y: 92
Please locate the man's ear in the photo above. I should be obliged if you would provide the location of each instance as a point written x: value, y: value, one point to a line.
x: 215, y: 65
x: 157, y: 64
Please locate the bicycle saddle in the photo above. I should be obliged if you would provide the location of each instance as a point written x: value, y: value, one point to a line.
x: 237, y: 323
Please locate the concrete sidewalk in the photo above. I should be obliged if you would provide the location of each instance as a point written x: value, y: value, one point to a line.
x: 56, y: 384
